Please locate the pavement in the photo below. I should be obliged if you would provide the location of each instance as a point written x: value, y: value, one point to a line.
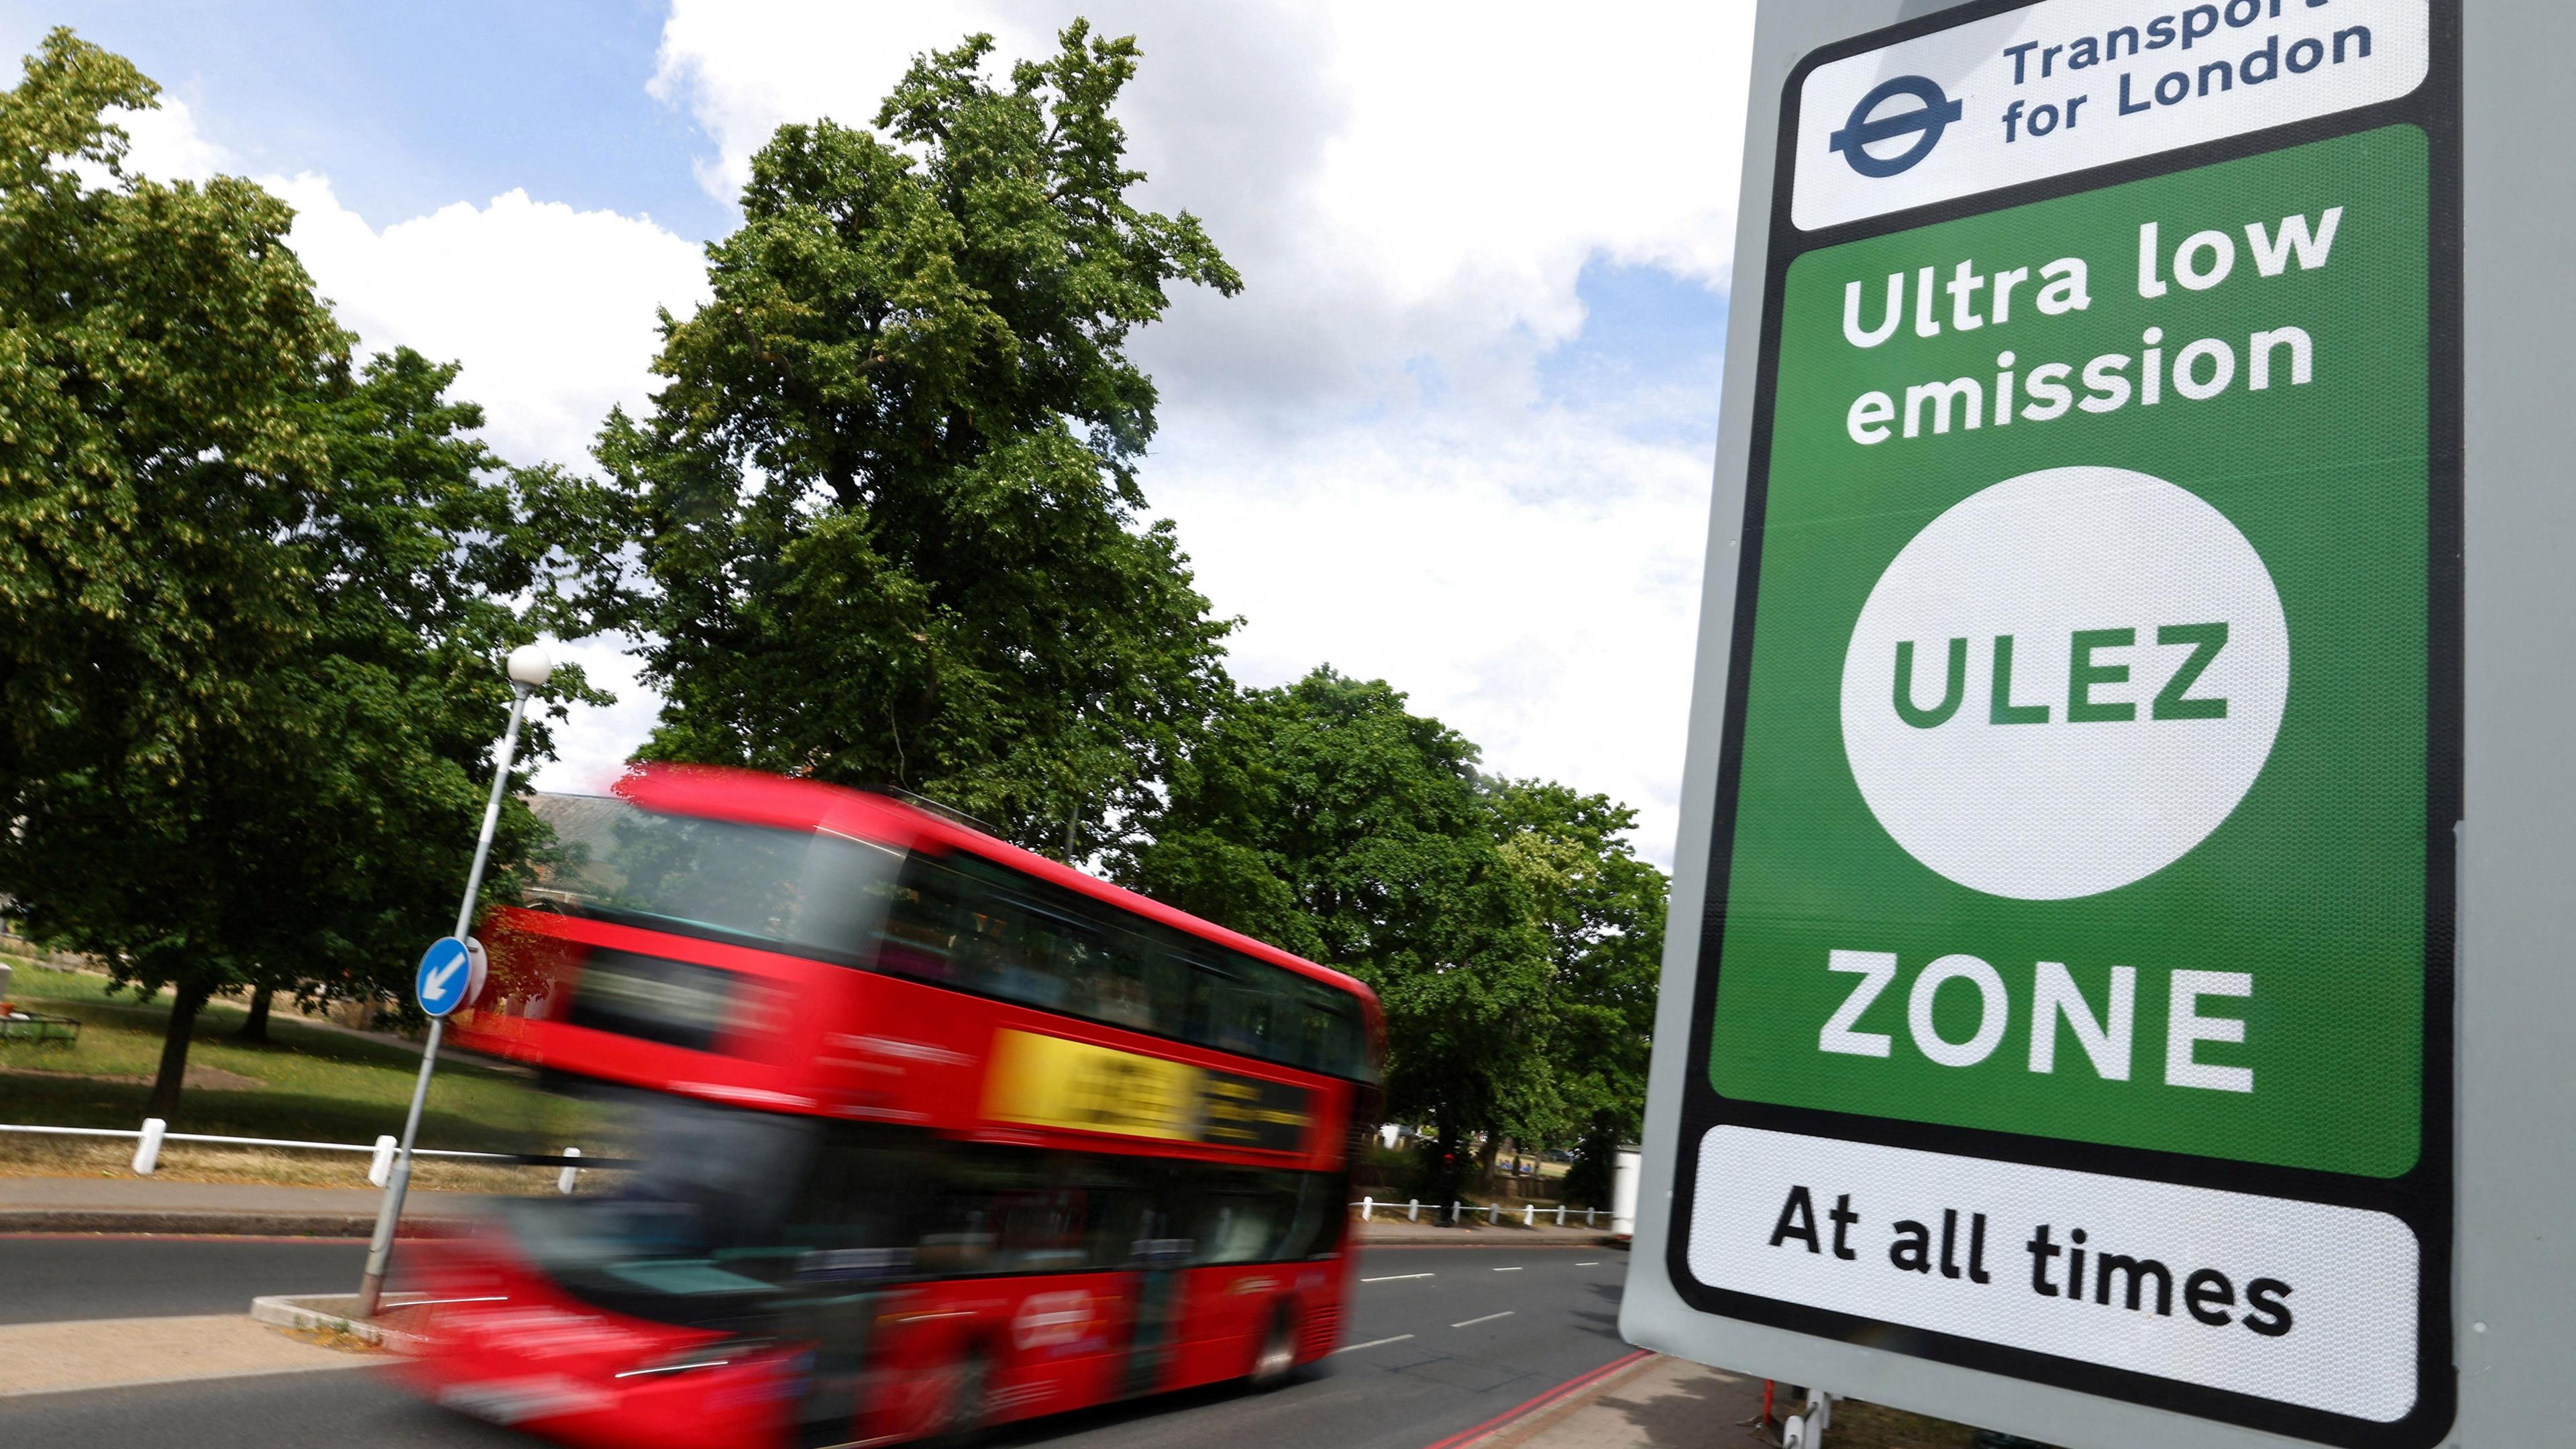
x: 1652, y: 1402
x: 54, y: 1358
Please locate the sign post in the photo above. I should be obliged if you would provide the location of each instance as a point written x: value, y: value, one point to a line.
x: 2063, y: 1039
x: 450, y: 975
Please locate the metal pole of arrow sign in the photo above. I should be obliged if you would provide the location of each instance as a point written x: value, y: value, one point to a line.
x: 529, y: 669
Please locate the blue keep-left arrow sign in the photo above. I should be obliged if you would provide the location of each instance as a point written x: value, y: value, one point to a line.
x: 445, y: 976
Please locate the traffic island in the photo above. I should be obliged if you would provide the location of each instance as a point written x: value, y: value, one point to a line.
x: 331, y: 1316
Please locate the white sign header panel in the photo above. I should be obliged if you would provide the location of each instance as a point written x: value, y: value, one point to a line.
x: 2064, y: 87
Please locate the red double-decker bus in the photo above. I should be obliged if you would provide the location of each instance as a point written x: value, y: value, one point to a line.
x: 913, y: 1132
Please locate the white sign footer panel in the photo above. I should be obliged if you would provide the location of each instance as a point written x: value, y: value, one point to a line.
x: 2306, y: 1302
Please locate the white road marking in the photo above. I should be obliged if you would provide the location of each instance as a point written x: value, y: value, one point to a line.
x: 1595, y: 1263
x: 1398, y: 1277
x: 1488, y: 1318
x: 1507, y: 1270
x: 1372, y: 1343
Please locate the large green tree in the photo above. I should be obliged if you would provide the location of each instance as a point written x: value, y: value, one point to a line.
x: 251, y: 596
x: 1602, y: 910
x: 1325, y: 816
x: 887, y: 503
x: 1508, y: 926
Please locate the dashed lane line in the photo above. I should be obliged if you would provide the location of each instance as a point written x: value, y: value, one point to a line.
x: 1372, y: 1343
x: 1507, y: 1270
x: 1398, y: 1277
x: 1488, y: 1318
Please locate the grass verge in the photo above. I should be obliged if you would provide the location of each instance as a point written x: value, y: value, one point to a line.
x: 313, y: 1083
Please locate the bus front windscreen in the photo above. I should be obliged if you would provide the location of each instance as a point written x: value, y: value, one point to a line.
x: 812, y: 892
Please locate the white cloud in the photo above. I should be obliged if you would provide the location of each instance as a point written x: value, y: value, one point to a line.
x: 164, y: 142
x: 1392, y: 180
x: 549, y: 310
x: 1555, y: 634
x: 595, y: 741
x: 1411, y: 193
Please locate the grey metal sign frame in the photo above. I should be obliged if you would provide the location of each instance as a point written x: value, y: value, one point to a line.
x: 2513, y: 1255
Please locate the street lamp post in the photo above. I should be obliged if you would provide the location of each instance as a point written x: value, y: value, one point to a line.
x: 529, y: 668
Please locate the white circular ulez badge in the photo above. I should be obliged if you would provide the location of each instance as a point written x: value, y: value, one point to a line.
x: 2064, y: 683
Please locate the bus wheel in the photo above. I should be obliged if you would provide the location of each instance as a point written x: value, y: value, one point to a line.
x: 1277, y: 1361
x: 969, y: 1400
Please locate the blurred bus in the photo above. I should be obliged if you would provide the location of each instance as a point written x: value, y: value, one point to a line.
x: 912, y: 1132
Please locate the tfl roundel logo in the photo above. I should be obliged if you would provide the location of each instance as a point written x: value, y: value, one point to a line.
x: 1924, y: 122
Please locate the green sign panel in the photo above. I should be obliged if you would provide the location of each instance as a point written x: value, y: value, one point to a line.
x: 2093, y: 635
x: 2073, y: 999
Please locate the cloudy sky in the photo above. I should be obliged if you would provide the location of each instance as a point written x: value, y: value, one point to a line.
x: 1456, y: 432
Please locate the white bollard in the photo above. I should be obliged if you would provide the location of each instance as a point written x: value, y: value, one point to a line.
x: 1529, y: 1215
x: 147, y: 1150
x: 380, y: 1168
x: 1808, y: 1430
x: 1368, y: 1205
x: 570, y: 1175
x: 1560, y: 1215
x: 1493, y: 1213
x: 1413, y: 1210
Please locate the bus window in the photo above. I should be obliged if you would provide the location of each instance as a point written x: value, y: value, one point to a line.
x: 1243, y: 1012
x: 1241, y: 1216
x: 971, y: 923
x: 919, y: 937
x: 1113, y: 969
x: 1200, y: 985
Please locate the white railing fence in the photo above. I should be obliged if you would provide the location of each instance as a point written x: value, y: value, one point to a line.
x: 380, y: 1161
x: 1493, y: 1212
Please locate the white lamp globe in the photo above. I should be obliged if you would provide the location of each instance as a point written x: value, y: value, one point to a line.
x: 531, y: 665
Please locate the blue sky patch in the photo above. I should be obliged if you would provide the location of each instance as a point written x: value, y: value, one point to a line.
x: 408, y: 110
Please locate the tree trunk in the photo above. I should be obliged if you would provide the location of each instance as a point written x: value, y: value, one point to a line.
x: 184, y: 1005
x: 1485, y: 1160
x: 255, y: 1026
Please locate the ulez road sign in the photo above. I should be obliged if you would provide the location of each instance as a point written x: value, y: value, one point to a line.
x: 2072, y: 988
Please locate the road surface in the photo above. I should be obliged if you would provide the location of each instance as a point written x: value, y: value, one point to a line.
x: 1440, y: 1339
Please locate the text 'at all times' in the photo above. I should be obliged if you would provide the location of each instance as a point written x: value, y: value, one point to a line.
x: 2197, y: 371
x: 2071, y: 1267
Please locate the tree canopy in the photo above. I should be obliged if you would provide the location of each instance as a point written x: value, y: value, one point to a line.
x: 252, y: 596
x: 887, y: 504
x: 1507, y: 927
x: 1602, y: 910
